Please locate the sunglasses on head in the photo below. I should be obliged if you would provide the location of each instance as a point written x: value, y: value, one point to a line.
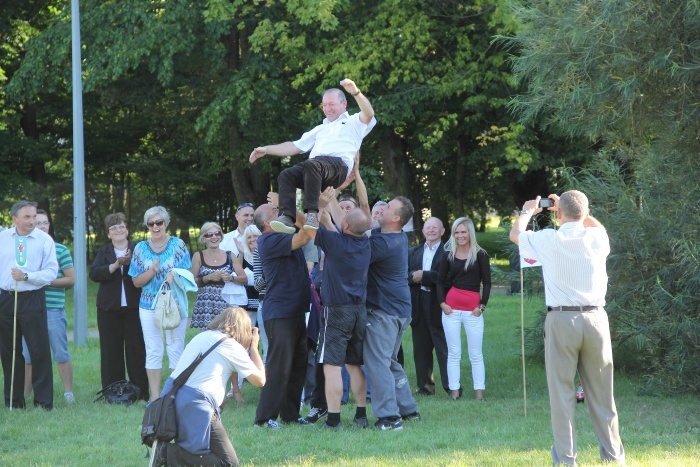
x: 159, y: 223
x: 211, y: 234
x: 244, y: 205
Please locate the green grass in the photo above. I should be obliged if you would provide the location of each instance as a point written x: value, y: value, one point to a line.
x: 655, y: 431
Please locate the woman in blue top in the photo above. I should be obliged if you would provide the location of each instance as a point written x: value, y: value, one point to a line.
x: 151, y: 265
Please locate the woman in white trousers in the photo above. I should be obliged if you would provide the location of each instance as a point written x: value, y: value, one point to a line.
x: 463, y: 271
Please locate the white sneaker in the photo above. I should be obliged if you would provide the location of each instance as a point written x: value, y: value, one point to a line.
x: 69, y: 397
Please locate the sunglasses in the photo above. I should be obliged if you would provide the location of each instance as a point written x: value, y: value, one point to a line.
x: 211, y: 234
x: 244, y: 205
x: 159, y: 223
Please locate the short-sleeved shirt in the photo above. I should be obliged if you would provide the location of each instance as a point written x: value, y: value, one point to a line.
x: 573, y: 263
x: 212, y: 374
x: 56, y: 296
x: 175, y: 255
x: 345, y: 267
x: 387, y: 287
x: 340, y: 138
x: 288, y: 293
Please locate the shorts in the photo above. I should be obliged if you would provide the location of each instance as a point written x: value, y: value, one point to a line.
x: 342, y: 335
x: 58, y: 339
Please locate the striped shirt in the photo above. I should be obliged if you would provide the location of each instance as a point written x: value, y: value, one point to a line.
x: 56, y: 296
x: 573, y: 263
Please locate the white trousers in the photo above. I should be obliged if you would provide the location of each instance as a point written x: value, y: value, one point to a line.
x: 153, y: 337
x: 474, y: 327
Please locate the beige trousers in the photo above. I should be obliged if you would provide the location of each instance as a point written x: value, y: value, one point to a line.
x: 581, y: 340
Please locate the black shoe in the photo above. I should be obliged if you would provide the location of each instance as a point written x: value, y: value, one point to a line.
x: 338, y: 427
x: 158, y: 454
x: 361, y: 422
x: 298, y: 421
x: 283, y: 225
x: 316, y: 414
x: 424, y: 392
x: 412, y: 417
x: 386, y: 424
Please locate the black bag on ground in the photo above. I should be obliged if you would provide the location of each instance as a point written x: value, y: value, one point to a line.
x: 120, y: 392
x: 159, y: 420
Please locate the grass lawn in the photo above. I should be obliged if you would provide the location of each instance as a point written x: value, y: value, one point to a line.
x: 656, y: 431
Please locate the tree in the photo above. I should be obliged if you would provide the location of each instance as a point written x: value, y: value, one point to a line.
x: 626, y: 74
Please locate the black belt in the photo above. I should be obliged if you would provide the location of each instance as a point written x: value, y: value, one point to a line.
x: 572, y: 308
x: 12, y: 292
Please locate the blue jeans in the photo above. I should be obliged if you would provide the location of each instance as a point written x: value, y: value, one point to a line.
x: 56, y: 321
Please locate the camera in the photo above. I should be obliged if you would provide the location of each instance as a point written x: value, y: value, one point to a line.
x: 546, y: 203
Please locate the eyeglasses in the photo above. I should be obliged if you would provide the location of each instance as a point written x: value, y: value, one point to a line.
x: 41, y: 224
x: 211, y: 234
x: 159, y: 223
x: 114, y: 228
x: 244, y: 205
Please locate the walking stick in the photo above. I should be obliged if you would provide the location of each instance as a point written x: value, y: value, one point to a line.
x: 14, y: 348
x: 522, y: 340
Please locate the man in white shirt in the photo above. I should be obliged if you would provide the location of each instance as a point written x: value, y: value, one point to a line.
x: 333, y: 146
x: 577, y: 334
x: 232, y: 241
x: 27, y: 264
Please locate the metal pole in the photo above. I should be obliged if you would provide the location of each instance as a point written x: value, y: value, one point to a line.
x: 522, y: 339
x: 80, y: 289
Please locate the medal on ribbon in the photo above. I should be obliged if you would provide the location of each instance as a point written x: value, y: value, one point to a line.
x: 20, y: 250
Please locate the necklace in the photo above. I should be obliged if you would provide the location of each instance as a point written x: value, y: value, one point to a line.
x: 161, y: 244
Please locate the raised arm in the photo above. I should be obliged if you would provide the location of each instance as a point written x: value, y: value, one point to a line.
x: 366, y: 110
x: 283, y: 150
x: 361, y: 188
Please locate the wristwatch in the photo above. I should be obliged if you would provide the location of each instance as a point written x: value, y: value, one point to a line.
x: 524, y: 211
x: 482, y: 307
x: 26, y: 276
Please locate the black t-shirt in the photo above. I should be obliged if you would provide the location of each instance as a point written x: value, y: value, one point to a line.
x: 287, y: 278
x: 387, y: 288
x: 345, y: 267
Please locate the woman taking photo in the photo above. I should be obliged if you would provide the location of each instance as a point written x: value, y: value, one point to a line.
x: 151, y: 265
x: 118, y: 320
x: 201, y: 437
x: 463, y: 270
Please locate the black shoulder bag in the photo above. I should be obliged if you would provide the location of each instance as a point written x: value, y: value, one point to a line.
x: 159, y: 420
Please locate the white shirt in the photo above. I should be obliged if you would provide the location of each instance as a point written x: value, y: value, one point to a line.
x: 41, y: 265
x: 212, y: 374
x: 340, y: 138
x: 228, y: 243
x: 573, y: 263
x: 428, y: 255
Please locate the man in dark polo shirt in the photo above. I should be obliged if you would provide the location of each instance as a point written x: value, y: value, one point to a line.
x: 344, y: 317
x: 388, y: 317
x: 286, y: 302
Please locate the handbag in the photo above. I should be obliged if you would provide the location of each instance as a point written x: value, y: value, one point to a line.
x: 160, y: 420
x: 167, y: 310
x: 120, y: 392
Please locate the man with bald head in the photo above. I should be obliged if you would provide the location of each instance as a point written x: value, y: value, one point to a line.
x: 344, y: 317
x: 284, y: 313
x: 426, y: 323
x: 576, y: 330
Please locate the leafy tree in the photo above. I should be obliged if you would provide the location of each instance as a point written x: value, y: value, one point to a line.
x: 626, y: 74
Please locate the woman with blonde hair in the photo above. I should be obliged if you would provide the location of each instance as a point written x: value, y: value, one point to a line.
x: 201, y: 437
x: 463, y: 270
x: 250, y: 243
x: 212, y: 268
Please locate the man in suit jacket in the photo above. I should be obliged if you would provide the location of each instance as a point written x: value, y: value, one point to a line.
x: 423, y: 264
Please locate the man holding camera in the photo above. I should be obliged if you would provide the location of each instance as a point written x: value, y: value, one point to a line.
x: 576, y: 330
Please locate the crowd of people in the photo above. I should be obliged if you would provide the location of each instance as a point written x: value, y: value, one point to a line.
x: 259, y: 284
